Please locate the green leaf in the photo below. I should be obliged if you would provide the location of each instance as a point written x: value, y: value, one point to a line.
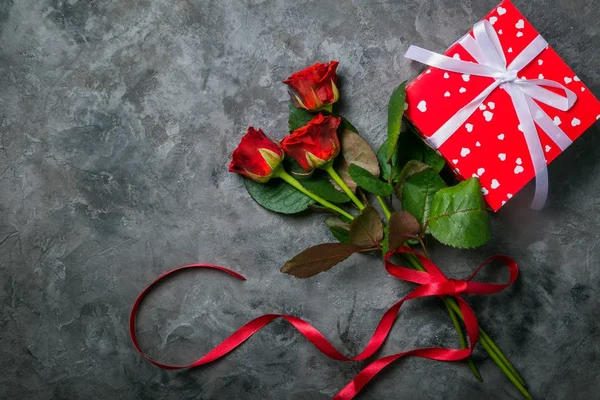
x: 432, y: 158
x: 341, y: 234
x: 366, y: 230
x: 298, y: 117
x: 412, y: 147
x: 411, y: 168
x: 459, y: 216
x: 355, y: 150
x: 395, y: 113
x: 370, y: 183
x: 339, y: 229
x: 320, y: 185
x: 278, y: 196
x: 401, y: 227
x: 385, y: 166
x: 418, y: 192
x: 318, y: 259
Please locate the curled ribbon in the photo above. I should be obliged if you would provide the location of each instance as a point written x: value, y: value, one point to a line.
x: 431, y: 283
x: 484, y: 46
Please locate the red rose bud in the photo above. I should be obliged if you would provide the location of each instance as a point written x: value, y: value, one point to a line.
x: 314, y: 87
x: 256, y: 157
x: 315, y: 144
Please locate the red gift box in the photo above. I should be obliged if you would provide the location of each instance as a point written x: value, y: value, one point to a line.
x: 491, y: 144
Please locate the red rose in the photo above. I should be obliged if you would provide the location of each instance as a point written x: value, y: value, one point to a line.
x: 315, y: 144
x: 257, y: 156
x: 315, y: 86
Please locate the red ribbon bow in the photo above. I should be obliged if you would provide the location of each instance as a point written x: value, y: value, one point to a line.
x: 431, y: 283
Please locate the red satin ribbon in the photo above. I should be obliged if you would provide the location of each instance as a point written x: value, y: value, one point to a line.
x: 432, y: 283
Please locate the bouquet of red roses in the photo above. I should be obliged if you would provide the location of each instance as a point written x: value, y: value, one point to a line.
x: 326, y: 166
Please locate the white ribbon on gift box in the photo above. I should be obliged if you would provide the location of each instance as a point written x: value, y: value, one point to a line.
x: 486, y: 49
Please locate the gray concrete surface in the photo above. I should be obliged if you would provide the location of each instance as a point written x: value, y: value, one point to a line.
x: 117, y: 119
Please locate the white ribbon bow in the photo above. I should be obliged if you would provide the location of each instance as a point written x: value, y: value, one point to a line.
x: 486, y: 49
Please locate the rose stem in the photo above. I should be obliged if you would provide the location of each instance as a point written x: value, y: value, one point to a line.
x: 384, y: 207
x: 334, y: 175
x: 486, y: 342
x: 463, y: 341
x: 292, y: 181
x: 484, y: 338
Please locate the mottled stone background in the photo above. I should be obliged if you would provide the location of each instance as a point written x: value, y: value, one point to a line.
x: 117, y: 118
